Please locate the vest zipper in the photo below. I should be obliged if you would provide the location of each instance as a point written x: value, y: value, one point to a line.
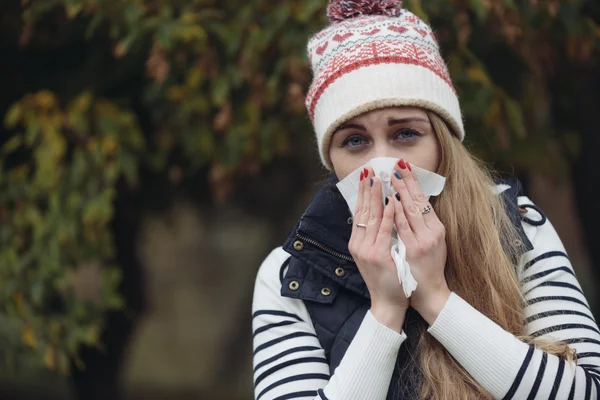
x: 325, y: 249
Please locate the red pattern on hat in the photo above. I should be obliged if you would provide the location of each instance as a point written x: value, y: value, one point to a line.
x: 370, y: 41
x: 373, y: 54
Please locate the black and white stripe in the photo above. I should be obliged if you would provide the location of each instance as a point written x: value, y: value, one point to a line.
x: 289, y: 362
x: 287, y: 352
x: 557, y: 310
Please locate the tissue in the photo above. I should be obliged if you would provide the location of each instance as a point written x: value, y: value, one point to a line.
x: 431, y: 183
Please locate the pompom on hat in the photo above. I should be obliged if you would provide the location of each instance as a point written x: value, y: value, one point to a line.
x: 373, y: 55
x: 345, y: 9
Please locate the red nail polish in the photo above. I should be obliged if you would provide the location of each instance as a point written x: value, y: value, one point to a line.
x: 408, y: 165
x: 366, y: 172
x: 362, y: 175
x: 402, y: 164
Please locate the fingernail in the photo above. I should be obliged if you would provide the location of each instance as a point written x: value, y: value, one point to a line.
x: 402, y: 164
x: 372, y: 181
x: 362, y: 176
x: 387, y: 200
x: 397, y: 174
x: 408, y: 165
x: 397, y: 196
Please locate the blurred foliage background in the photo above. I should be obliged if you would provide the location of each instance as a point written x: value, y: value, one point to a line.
x: 153, y: 151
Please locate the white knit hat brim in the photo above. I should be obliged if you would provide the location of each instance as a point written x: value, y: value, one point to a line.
x: 379, y: 86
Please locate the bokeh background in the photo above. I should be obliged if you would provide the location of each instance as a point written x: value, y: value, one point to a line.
x: 154, y: 151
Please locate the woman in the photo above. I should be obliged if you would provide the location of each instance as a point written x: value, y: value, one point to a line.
x: 498, y: 311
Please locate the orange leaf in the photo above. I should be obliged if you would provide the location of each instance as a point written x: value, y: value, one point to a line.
x: 50, y: 356
x: 28, y: 337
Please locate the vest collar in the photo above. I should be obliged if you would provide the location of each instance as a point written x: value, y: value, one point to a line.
x: 320, y: 238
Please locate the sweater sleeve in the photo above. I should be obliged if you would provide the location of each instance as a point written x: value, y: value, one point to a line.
x: 289, y: 362
x: 555, y: 310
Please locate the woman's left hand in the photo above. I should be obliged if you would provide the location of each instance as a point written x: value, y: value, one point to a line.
x: 424, y: 236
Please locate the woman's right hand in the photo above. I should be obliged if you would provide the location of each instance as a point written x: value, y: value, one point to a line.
x: 370, y: 248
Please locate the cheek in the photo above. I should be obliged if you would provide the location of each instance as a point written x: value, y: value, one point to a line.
x: 432, y: 159
x: 427, y: 155
x: 345, y: 163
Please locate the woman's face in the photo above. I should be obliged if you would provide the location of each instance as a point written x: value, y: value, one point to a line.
x: 400, y: 132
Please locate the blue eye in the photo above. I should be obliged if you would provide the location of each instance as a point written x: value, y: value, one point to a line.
x: 353, y: 141
x: 407, y: 134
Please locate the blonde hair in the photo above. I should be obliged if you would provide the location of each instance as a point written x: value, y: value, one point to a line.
x: 482, y: 273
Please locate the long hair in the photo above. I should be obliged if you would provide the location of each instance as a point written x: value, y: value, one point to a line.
x: 480, y: 272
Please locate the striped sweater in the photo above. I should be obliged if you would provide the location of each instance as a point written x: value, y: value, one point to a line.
x: 289, y: 362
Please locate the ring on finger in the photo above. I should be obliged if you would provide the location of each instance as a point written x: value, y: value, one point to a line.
x: 427, y: 209
x: 361, y: 225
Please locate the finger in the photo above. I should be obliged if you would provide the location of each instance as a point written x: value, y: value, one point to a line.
x: 412, y: 212
x: 366, y: 197
x: 403, y: 228
x: 357, y: 232
x: 375, y: 210
x: 410, y: 180
x: 359, y: 197
x: 385, y: 229
x: 416, y: 193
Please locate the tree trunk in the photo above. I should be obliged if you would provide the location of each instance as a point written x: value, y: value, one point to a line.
x: 586, y: 171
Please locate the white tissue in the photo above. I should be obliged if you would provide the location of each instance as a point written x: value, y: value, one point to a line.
x: 409, y: 284
x: 431, y: 183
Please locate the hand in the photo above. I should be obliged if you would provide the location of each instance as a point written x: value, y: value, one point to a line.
x: 370, y: 247
x: 424, y: 236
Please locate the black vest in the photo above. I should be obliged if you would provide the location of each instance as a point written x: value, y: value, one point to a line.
x: 321, y: 272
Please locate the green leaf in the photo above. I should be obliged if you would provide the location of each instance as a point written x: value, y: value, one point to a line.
x: 480, y: 9
x: 510, y: 4
x: 514, y: 114
x: 38, y: 290
x: 13, y: 116
x: 90, y: 335
x: 307, y: 9
x: 93, y: 25
x: 12, y: 144
x: 128, y: 167
x: 220, y: 91
x: 416, y: 7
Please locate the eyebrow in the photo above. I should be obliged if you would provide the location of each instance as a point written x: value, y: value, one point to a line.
x: 391, y: 122
x: 355, y: 126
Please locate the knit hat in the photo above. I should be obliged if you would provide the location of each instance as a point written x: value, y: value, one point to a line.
x: 375, y: 54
